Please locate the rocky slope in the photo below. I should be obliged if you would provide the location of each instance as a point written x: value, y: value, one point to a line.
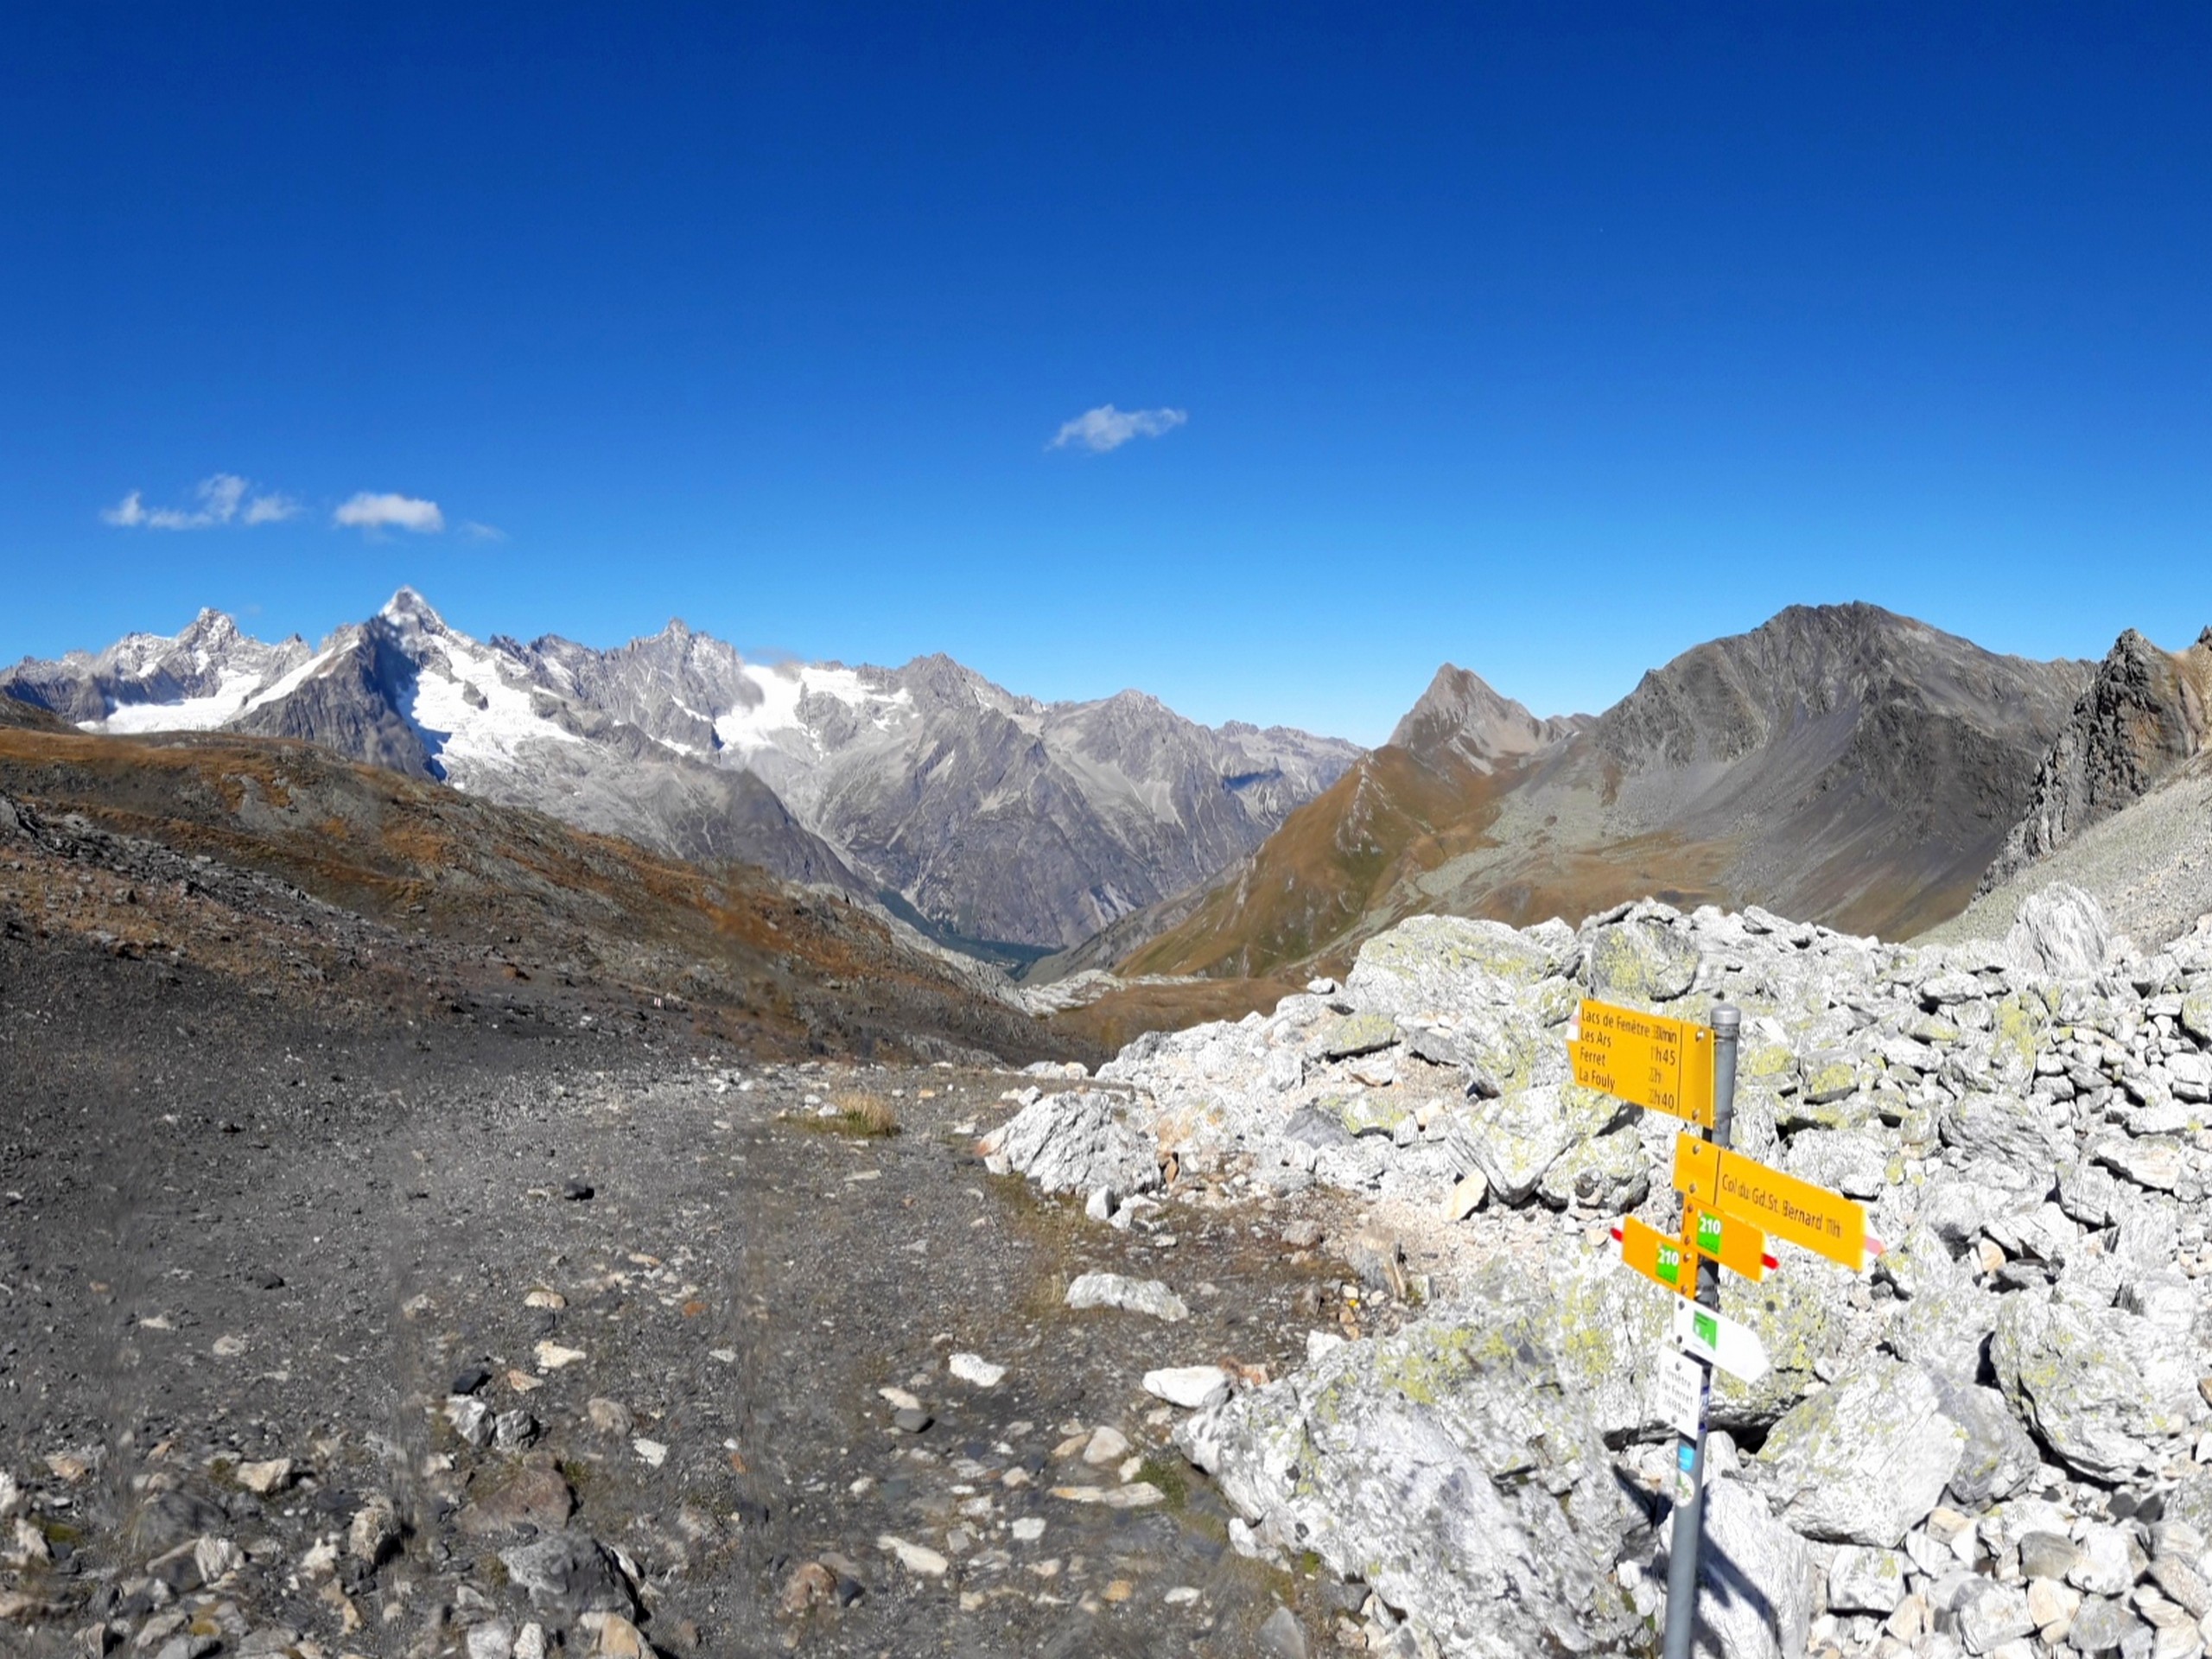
x: 278, y: 863
x: 2149, y: 865
x: 1839, y: 762
x: 2146, y: 714
x: 989, y: 819
x: 1994, y: 1442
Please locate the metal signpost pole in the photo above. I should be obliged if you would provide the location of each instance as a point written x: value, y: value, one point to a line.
x: 1689, y: 1452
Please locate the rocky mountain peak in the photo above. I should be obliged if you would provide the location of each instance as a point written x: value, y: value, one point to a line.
x: 1461, y: 715
x: 2146, y: 714
x: 409, y: 610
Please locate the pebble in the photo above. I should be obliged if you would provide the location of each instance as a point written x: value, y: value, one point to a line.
x: 899, y: 1399
x: 910, y: 1420
x: 915, y: 1558
x: 552, y: 1357
x: 1107, y: 1445
x: 974, y: 1368
x: 1029, y: 1529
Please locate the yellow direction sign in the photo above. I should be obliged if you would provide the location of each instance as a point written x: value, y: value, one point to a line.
x: 1736, y: 1245
x: 1745, y: 1189
x: 1657, y: 1257
x: 1645, y: 1059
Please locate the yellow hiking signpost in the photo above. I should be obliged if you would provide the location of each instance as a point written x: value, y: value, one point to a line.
x: 1731, y: 1205
x: 1645, y: 1059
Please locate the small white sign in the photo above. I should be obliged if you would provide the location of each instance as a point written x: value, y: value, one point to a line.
x: 1718, y: 1340
x: 1680, y: 1386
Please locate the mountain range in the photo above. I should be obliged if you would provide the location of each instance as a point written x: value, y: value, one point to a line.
x: 995, y: 823
x: 1840, y: 764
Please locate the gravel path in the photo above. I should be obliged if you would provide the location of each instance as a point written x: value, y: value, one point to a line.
x: 239, y: 1236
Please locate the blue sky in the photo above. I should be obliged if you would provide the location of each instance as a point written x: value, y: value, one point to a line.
x: 1548, y: 340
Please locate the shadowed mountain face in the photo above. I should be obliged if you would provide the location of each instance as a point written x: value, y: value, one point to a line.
x: 990, y: 818
x: 1840, y: 764
x: 2145, y: 714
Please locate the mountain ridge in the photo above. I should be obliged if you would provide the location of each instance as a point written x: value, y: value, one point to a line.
x: 1840, y: 763
x: 1002, y: 820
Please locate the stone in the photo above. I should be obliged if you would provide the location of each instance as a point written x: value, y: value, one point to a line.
x: 1999, y: 1457
x: 1280, y: 1636
x: 1757, y: 1579
x: 568, y: 1572
x: 1074, y: 1143
x: 653, y: 1453
x: 975, y: 1369
x: 492, y: 1640
x: 1192, y: 1387
x: 374, y: 1532
x: 1864, y: 1461
x: 2099, y: 1385
x: 2047, y: 1555
x: 471, y: 1419
x: 2052, y: 1604
x: 615, y: 1636
x: 270, y: 1474
x: 910, y: 1420
x: 536, y: 1496
x: 512, y: 1430
x: 1990, y: 1615
x: 2104, y: 1565
x: 1377, y: 1257
x: 2062, y: 932
x: 1107, y: 1445
x: 1133, y: 1495
x: 811, y: 1585
x: 1349, y: 1035
x: 1453, y: 965
x: 2182, y: 1581
x: 1634, y: 961
x: 1148, y: 1296
x: 553, y: 1357
x: 1608, y: 1173
x: 1466, y: 1195
x: 1864, y: 1580
x: 2100, y: 1626
x: 609, y: 1417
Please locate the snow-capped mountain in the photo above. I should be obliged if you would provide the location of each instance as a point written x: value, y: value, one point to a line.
x: 991, y: 817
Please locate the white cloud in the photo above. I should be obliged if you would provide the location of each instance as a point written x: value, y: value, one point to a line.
x: 1108, y: 428
x: 476, y: 532
x: 225, y: 499
x: 270, y: 509
x: 368, y: 511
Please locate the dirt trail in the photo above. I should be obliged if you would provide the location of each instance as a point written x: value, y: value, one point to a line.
x: 236, y: 1233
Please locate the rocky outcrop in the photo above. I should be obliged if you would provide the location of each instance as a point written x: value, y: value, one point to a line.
x: 1943, y: 1442
x: 2146, y: 712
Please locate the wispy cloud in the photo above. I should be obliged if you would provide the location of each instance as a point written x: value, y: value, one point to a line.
x: 1108, y: 428
x: 476, y: 532
x: 370, y: 510
x: 225, y: 499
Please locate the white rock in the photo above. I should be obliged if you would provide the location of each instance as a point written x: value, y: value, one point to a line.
x: 654, y: 1452
x: 974, y: 1368
x: 1135, y: 1295
x: 915, y: 1558
x: 1029, y: 1529
x: 1108, y: 1444
x: 552, y: 1357
x: 1192, y: 1387
x: 272, y: 1475
x: 899, y: 1399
